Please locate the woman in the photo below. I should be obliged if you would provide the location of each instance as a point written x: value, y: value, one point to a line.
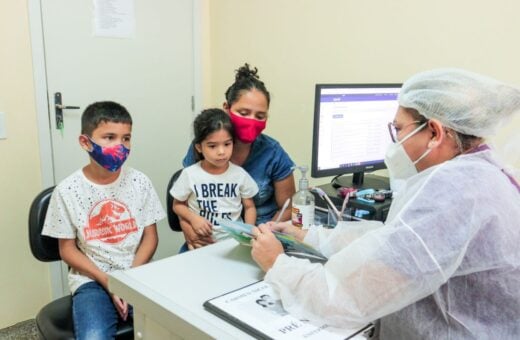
x: 247, y: 103
x: 447, y: 263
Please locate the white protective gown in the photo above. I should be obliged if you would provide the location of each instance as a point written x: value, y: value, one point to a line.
x: 445, y: 266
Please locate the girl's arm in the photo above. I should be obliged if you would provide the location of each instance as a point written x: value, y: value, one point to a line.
x: 249, y: 210
x: 147, y: 246
x: 200, y: 225
x: 193, y: 240
x: 283, y: 190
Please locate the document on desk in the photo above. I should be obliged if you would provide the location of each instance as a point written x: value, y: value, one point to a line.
x: 257, y: 310
x: 242, y: 232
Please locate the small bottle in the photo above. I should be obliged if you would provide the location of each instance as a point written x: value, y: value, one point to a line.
x: 303, y: 203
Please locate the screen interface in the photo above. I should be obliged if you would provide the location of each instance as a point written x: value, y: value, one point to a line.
x: 353, y: 125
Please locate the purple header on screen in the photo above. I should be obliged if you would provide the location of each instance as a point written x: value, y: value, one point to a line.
x: 357, y: 97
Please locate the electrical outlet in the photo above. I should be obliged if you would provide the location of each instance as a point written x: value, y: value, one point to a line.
x: 3, y: 132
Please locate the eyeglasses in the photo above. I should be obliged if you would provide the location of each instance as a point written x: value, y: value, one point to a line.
x: 394, y: 131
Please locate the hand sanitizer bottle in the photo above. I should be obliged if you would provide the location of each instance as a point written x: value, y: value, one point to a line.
x: 303, y: 203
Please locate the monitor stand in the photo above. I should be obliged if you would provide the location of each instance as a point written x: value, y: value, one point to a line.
x: 359, y: 180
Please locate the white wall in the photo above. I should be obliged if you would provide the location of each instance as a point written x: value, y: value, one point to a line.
x: 24, y: 282
x: 296, y: 44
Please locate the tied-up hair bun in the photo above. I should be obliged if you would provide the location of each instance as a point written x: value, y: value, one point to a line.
x: 246, y: 79
x: 246, y: 72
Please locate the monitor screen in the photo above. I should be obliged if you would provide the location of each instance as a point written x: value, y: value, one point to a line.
x: 351, y: 128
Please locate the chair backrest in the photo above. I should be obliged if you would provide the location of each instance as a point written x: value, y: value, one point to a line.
x: 173, y: 219
x: 43, y: 248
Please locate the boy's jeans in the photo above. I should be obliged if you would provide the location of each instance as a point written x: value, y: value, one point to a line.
x: 94, y: 313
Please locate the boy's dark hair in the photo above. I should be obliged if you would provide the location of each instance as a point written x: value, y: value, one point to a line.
x: 99, y: 112
x: 246, y: 79
x: 207, y: 122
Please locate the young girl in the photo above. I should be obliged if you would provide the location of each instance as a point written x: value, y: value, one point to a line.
x: 213, y: 187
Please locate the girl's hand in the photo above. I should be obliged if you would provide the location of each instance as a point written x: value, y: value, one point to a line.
x: 193, y: 240
x: 266, y: 247
x: 121, y: 306
x: 201, y: 226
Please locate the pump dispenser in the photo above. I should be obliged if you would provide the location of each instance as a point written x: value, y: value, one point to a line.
x: 303, y: 202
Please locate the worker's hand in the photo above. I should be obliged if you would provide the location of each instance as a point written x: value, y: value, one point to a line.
x: 266, y: 247
x: 121, y: 306
x: 201, y: 226
x: 286, y: 228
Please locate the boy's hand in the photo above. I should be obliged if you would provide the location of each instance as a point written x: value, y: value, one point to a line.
x: 121, y: 306
x: 201, y: 226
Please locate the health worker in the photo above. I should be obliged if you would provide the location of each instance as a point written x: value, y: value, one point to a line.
x: 446, y: 264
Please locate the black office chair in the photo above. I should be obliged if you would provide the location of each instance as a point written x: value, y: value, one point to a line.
x: 54, y: 321
x: 173, y: 219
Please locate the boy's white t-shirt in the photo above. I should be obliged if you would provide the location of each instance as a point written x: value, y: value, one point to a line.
x: 107, y: 221
x: 214, y: 196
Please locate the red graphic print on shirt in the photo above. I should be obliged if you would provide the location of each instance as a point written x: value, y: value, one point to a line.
x: 110, y: 222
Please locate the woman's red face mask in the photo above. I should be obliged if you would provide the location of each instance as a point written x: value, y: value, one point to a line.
x: 246, y: 129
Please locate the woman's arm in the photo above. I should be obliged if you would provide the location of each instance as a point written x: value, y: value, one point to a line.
x: 283, y: 189
x: 200, y: 225
x: 147, y: 246
x: 249, y: 210
x: 193, y: 240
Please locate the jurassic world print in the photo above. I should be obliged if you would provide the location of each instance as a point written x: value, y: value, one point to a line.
x: 110, y: 222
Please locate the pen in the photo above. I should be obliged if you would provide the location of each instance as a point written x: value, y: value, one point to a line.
x: 284, y: 207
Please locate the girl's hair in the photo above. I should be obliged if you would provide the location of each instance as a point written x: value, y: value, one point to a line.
x: 207, y: 122
x: 246, y: 79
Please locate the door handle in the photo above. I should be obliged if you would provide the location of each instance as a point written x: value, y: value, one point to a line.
x: 63, y: 107
x: 58, y: 108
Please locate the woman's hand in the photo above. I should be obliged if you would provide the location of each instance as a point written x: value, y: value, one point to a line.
x: 193, y: 240
x: 266, y: 247
x: 201, y: 226
x: 286, y: 228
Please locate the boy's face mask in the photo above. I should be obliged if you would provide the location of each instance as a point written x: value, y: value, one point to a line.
x: 246, y: 129
x: 109, y: 157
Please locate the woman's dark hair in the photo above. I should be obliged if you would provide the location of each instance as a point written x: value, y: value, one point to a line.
x: 207, y: 122
x: 246, y: 79
x: 464, y: 142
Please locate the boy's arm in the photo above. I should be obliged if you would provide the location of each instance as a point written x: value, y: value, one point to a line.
x: 249, y: 210
x: 200, y: 225
x: 72, y: 256
x: 147, y: 246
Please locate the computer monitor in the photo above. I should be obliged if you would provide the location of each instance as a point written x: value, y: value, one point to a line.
x: 351, y: 131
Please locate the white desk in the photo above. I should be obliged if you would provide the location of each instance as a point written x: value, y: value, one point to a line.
x: 167, y: 295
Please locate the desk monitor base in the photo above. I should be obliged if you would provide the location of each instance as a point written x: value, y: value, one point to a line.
x: 367, y: 181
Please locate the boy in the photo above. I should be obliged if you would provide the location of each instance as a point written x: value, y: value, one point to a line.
x: 105, y: 219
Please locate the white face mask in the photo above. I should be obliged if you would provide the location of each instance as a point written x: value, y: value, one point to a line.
x: 400, y: 166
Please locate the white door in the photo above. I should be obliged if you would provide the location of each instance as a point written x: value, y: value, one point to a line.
x: 151, y: 74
